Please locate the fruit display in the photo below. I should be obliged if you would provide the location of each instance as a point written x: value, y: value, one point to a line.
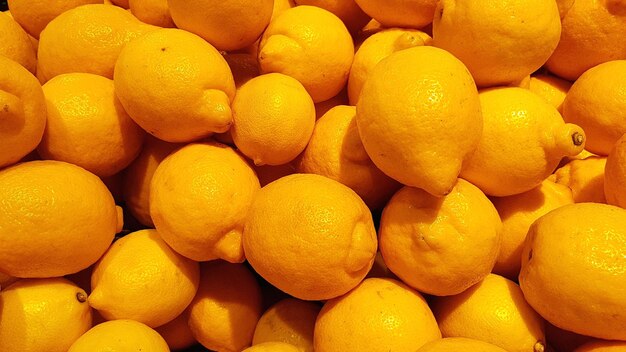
x: 313, y: 176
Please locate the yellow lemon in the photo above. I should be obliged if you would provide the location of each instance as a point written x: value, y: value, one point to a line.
x: 551, y: 88
x: 87, y: 38
x: 595, y: 103
x: 16, y: 44
x: 455, y: 344
x: 500, y: 42
x: 227, y: 24
x: 574, y: 269
x: 377, y: 47
x: 347, y: 10
x: 226, y: 308
x: 440, y: 245
x: 155, y: 12
x: 523, y: 140
x: 183, y: 94
x: 272, y: 347
x: 400, y: 13
x: 335, y: 151
x: 23, y: 113
x: 591, y: 33
x: 518, y: 212
x: 142, y: 279
x: 494, y: 311
x: 311, y: 45
x: 310, y: 236
x: 42, y: 315
x: 120, y: 335
x: 289, y: 321
x: 34, y: 15
x: 585, y: 178
x: 403, y: 105
x: 87, y: 126
x: 615, y: 175
x: 138, y: 176
x: 56, y: 218
x: 199, y: 199
x: 378, y: 315
x: 273, y: 119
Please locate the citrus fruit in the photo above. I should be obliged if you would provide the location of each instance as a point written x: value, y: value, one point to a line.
x: 172, y: 104
x: 591, y: 33
x: 30, y: 304
x: 35, y: 15
x: 273, y: 119
x: 226, y: 308
x: 16, y: 44
x: 56, y: 218
x: 510, y: 39
x: 595, y: 103
x: 585, y: 178
x: 494, y: 311
x: 311, y: 45
x: 523, y: 140
x: 440, y: 245
x: 551, y: 88
x: 120, y: 335
x: 199, y: 199
x: 310, y: 236
x: 138, y: 176
x: 335, y: 151
x: 615, y: 175
x: 518, y: 212
x: 347, y: 10
x: 155, y: 12
x: 141, y: 278
x: 409, y: 97
x: 227, y: 24
x: 454, y: 344
x: 290, y: 321
x: 583, y: 290
x: 377, y: 47
x: 23, y: 113
x: 378, y: 315
x: 272, y: 347
x: 87, y: 126
x: 87, y: 38
x: 400, y: 13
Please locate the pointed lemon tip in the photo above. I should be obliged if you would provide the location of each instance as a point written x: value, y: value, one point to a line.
x: 216, y: 110
x: 230, y: 247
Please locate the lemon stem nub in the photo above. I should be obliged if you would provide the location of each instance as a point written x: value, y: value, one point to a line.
x: 578, y: 139
x: 539, y: 347
x: 81, y: 297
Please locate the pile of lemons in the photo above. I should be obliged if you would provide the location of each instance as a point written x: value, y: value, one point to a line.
x: 313, y: 175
